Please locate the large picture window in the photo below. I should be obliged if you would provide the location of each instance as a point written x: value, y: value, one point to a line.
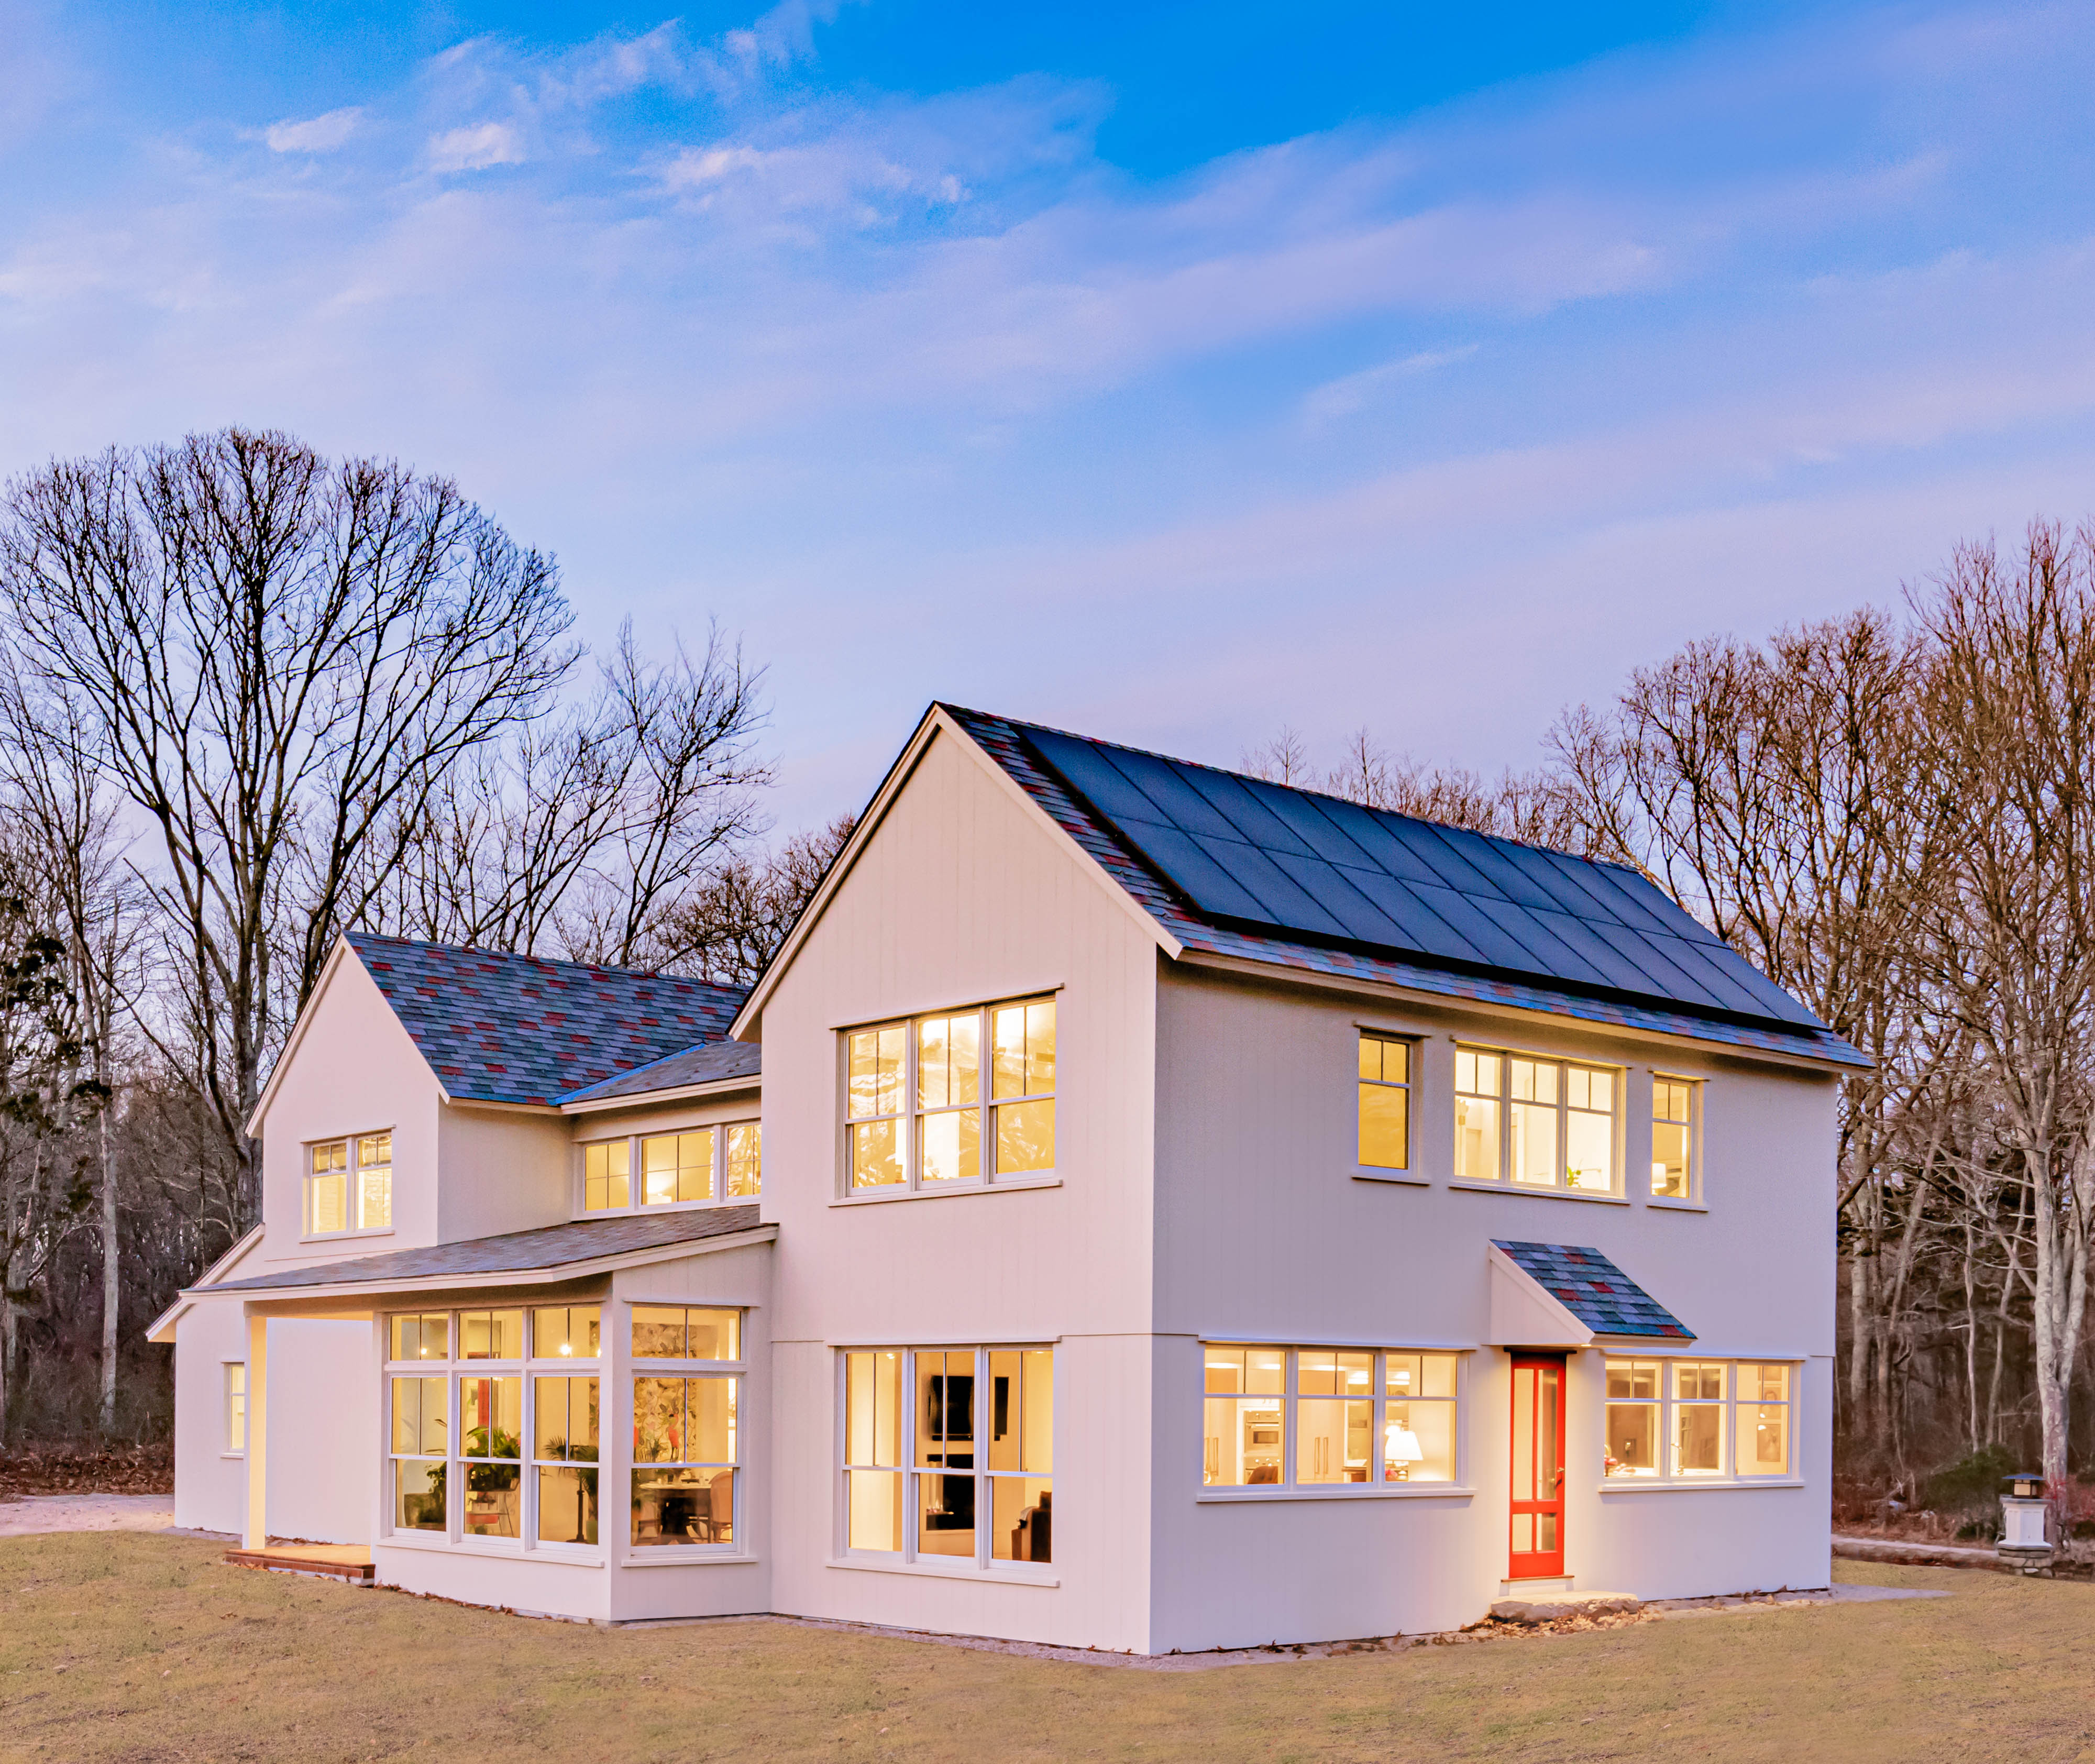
x: 963, y: 1470
x: 1534, y: 1122
x: 1310, y: 1416
x: 1691, y: 1420
x: 698, y: 1166
x: 920, y: 1111
x: 686, y: 1436
x: 467, y: 1391
x: 348, y: 1184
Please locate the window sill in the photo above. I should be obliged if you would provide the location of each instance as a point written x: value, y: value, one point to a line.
x: 500, y: 1549
x: 1366, y: 1174
x: 1676, y: 1206
x: 664, y: 1206
x: 1005, y: 1576
x: 339, y: 1237
x: 1234, y: 1497
x: 673, y: 1557
x: 874, y: 1197
x: 1539, y: 1194
x: 1658, y: 1485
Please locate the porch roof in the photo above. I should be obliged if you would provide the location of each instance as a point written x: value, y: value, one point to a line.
x: 1595, y: 1291
x: 550, y: 1246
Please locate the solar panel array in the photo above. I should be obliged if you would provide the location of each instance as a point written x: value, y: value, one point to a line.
x: 1244, y: 853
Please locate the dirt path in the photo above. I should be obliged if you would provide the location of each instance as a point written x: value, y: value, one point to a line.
x: 29, y: 1514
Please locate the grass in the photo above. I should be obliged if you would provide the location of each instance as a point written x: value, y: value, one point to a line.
x: 145, y: 1648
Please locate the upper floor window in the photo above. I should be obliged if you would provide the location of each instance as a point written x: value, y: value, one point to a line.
x: 918, y: 1114
x: 1385, y: 1103
x: 702, y: 1164
x: 348, y: 1184
x: 1542, y: 1123
x: 1672, y: 1138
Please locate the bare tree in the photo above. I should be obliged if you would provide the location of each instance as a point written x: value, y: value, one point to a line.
x: 727, y: 929
x: 276, y: 660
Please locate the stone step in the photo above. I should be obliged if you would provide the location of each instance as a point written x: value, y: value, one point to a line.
x: 1548, y: 1607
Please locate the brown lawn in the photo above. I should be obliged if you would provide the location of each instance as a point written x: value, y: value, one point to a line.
x: 144, y: 1649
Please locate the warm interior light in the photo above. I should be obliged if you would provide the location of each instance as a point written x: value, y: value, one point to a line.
x: 567, y: 1348
x: 1403, y: 1445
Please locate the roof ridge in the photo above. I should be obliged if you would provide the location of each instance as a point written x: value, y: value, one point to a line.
x: 1299, y: 789
x: 358, y: 938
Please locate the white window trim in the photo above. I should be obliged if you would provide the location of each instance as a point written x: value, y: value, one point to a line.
x: 529, y: 1367
x: 912, y: 1185
x: 1386, y: 1173
x: 1692, y: 1201
x: 307, y: 1234
x: 1378, y: 1489
x: 1560, y: 1186
x: 225, y: 1408
x: 737, y: 1549
x: 986, y: 1567
x: 1730, y: 1476
x: 637, y: 1180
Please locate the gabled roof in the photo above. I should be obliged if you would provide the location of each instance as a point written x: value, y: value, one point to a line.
x: 716, y: 1062
x: 551, y: 1246
x: 503, y: 1028
x: 1237, y: 869
x: 1594, y: 1290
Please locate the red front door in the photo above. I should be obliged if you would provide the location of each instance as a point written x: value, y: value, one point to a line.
x: 1538, y: 1468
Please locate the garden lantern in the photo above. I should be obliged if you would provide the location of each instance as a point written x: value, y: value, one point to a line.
x: 2024, y: 1543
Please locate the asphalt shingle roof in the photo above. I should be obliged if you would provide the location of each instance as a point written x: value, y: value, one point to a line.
x: 1595, y: 1291
x: 551, y: 1246
x: 1006, y: 742
x: 715, y: 1063
x: 519, y: 1029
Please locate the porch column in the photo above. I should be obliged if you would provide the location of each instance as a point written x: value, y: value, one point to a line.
x: 257, y: 1535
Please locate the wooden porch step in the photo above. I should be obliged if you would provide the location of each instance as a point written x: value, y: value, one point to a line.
x: 338, y: 1561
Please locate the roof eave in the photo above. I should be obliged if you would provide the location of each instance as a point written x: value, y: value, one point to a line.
x: 672, y: 1093
x: 544, y: 1276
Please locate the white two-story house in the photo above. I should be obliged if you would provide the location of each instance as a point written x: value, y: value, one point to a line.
x: 1173, y: 1212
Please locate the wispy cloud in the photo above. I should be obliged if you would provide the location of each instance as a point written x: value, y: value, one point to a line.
x: 475, y: 148
x: 1352, y: 393
x: 317, y: 134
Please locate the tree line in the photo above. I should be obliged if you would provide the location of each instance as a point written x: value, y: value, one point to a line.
x: 249, y: 698
x: 1893, y: 814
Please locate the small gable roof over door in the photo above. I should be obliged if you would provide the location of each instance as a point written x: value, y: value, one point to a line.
x: 1594, y: 1290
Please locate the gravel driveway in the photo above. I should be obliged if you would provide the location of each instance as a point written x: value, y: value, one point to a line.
x: 85, y: 1513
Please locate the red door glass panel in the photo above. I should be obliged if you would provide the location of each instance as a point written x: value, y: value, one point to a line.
x: 1537, y: 1543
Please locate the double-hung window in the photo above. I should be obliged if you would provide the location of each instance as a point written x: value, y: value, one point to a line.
x: 948, y: 1453
x: 1690, y: 1420
x: 1672, y: 1138
x: 348, y: 1184
x: 940, y: 1101
x: 1534, y: 1122
x: 1308, y: 1417
x: 1385, y: 1103
x: 491, y: 1423
x: 686, y: 1433
x: 667, y: 1169
x: 565, y: 1422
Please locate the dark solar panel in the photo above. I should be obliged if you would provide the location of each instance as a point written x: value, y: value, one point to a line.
x: 1264, y: 857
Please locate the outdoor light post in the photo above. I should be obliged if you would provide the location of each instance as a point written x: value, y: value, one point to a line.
x: 2024, y: 1543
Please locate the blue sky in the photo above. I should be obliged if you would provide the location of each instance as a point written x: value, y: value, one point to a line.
x: 1166, y: 372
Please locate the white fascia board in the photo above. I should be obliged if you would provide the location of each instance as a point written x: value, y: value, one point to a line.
x: 515, y: 1277
x: 335, y: 959
x: 1525, y: 1313
x: 935, y: 722
x: 676, y: 1093
x: 161, y: 1330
